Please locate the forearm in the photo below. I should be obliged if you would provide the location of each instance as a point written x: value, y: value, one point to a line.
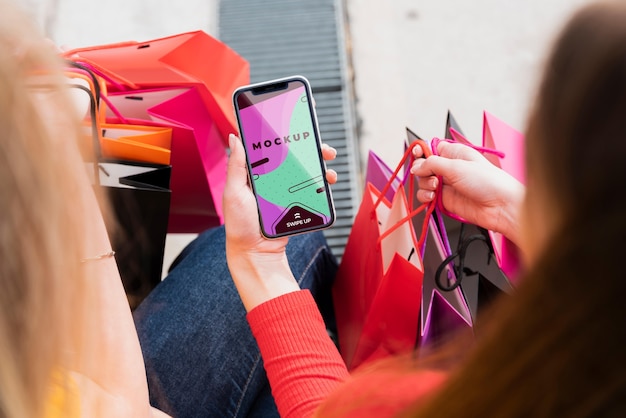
x: 302, y: 363
x: 105, y: 349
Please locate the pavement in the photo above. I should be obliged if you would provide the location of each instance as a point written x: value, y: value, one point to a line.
x: 412, y: 60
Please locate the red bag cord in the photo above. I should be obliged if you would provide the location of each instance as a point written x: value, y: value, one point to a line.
x: 429, y: 207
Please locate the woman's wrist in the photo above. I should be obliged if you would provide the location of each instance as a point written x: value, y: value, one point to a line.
x: 261, y: 277
x: 508, y: 222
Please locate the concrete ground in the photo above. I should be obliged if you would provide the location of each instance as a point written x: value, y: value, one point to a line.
x: 412, y: 60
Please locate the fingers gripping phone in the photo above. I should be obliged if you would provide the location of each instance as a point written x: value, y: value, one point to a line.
x: 279, y: 130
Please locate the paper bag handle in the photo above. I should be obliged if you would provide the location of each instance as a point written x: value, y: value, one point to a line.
x: 115, y: 79
x: 428, y: 207
x: 98, y: 87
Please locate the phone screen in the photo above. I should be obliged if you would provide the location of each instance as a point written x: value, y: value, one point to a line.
x: 279, y: 132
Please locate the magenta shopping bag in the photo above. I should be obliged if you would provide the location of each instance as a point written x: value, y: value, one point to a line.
x: 499, y: 136
x: 198, y: 157
x: 378, y: 174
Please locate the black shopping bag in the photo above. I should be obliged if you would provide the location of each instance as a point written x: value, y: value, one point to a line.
x: 465, y: 260
x: 139, y: 198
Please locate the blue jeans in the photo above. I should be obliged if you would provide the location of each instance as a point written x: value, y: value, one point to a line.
x: 201, y: 358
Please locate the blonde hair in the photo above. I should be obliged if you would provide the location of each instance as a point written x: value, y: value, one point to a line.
x: 40, y: 283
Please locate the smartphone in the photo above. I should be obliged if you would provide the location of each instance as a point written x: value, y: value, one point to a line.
x: 280, y: 133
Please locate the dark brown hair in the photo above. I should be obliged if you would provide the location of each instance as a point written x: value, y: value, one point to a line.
x: 557, y: 348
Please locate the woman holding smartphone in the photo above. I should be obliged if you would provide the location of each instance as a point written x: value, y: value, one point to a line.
x: 67, y: 343
x: 556, y: 347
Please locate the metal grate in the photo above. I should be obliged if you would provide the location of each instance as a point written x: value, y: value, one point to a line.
x: 285, y: 37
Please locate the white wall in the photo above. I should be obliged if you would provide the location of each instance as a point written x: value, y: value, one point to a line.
x: 414, y: 60
x: 74, y: 23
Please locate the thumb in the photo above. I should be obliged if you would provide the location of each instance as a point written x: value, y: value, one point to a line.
x: 451, y: 170
x: 237, y: 174
x: 431, y: 166
x: 457, y: 151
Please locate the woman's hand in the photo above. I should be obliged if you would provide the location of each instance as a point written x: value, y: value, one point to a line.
x: 472, y: 188
x: 258, y: 265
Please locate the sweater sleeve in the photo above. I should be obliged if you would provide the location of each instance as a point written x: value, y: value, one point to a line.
x: 302, y: 363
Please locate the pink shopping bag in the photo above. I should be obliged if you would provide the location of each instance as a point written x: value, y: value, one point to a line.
x: 499, y: 136
x: 198, y: 157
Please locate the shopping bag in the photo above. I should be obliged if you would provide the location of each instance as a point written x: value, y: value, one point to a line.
x: 459, y: 261
x: 377, y: 288
x: 389, y: 325
x: 126, y: 142
x: 466, y: 266
x: 378, y: 174
x: 186, y: 59
x: 198, y: 156
x: 494, y: 264
x: 502, y: 137
x: 443, y: 311
x: 139, y: 199
x: 499, y: 136
x: 140, y: 143
x: 453, y: 130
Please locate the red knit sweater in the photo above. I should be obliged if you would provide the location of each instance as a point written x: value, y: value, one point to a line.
x: 308, y: 375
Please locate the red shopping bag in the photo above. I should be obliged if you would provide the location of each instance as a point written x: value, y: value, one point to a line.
x: 198, y: 157
x: 389, y: 325
x: 187, y: 59
x: 378, y: 286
